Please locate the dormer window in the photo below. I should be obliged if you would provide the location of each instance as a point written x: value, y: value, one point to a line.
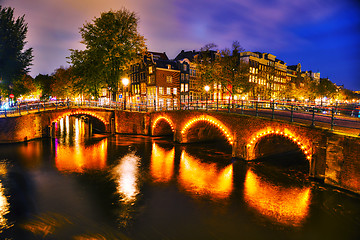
x: 150, y: 70
x: 169, y: 66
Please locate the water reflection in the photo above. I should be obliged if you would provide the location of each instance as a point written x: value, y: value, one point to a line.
x: 205, y: 178
x: 78, y: 158
x: 162, y: 163
x: 284, y: 205
x: 73, y: 155
x: 126, y: 176
x: 4, y: 204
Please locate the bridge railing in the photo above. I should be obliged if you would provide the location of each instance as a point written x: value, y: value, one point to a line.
x: 339, y: 116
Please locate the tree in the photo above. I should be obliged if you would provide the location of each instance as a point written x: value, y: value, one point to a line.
x: 86, y: 73
x: 224, y: 68
x: 45, y: 83
x: 63, y: 86
x: 326, y: 88
x: 112, y: 44
x: 14, y: 60
x: 234, y: 72
x: 26, y: 86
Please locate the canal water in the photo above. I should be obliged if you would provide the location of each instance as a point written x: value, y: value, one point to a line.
x: 138, y: 187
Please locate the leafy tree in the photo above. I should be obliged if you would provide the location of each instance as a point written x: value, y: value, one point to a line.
x: 112, y: 44
x: 14, y: 60
x: 207, y: 66
x: 63, y: 86
x: 46, y: 84
x: 86, y: 73
x: 234, y: 73
x: 326, y: 88
x: 224, y: 68
x: 26, y: 86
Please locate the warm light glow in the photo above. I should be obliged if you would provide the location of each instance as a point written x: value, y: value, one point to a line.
x: 4, y: 204
x: 76, y: 157
x: 164, y: 118
x: 207, y: 88
x: 79, y: 112
x: 225, y: 131
x: 285, y: 133
x: 162, y: 163
x: 125, y: 81
x: 205, y: 178
x: 126, y: 177
x: 285, y: 205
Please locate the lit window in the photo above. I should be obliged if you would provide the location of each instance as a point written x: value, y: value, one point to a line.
x: 169, y: 79
x: 186, y: 87
x: 150, y: 70
x: 175, y: 91
x: 161, y: 90
x: 168, y: 91
x: 182, y: 87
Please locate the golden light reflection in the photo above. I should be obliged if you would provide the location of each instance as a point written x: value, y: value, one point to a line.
x: 162, y: 163
x: 4, y: 204
x: 126, y: 176
x: 4, y: 208
x: 205, y: 178
x: 285, y: 205
x: 79, y: 157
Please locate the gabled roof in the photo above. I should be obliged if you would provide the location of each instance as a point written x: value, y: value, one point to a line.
x: 159, y: 55
x: 191, y: 55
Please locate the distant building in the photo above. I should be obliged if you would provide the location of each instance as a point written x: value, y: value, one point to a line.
x: 266, y: 71
x: 156, y: 80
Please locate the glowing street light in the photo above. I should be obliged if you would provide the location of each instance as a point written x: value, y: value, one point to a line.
x: 125, y: 82
x: 207, y: 88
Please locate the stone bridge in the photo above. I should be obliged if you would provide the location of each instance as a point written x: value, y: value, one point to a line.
x: 332, y: 157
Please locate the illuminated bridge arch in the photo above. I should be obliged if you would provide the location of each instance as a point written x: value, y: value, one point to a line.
x: 212, y: 121
x: 161, y: 119
x: 302, y: 143
x: 81, y: 112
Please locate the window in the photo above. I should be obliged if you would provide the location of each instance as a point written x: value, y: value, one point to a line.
x: 186, y: 87
x: 150, y: 70
x: 185, y: 67
x: 168, y: 91
x: 182, y: 87
x: 169, y: 79
x: 161, y: 90
x: 175, y: 91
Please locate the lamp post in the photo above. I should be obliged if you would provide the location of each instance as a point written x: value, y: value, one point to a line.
x: 125, y: 82
x: 207, y: 88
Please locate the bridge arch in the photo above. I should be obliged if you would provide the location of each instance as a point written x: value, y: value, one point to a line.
x: 225, y: 131
x: 80, y: 112
x: 158, y: 120
x: 302, y: 143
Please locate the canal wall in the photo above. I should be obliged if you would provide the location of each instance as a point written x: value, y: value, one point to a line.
x: 22, y: 128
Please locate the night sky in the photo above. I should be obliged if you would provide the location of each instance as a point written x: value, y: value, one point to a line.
x: 322, y: 35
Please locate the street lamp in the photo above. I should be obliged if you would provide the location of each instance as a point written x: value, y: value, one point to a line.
x: 125, y: 82
x: 207, y: 88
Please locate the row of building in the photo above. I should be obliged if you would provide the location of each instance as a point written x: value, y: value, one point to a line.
x: 156, y: 79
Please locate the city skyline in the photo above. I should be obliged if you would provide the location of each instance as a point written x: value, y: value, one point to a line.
x: 321, y: 35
